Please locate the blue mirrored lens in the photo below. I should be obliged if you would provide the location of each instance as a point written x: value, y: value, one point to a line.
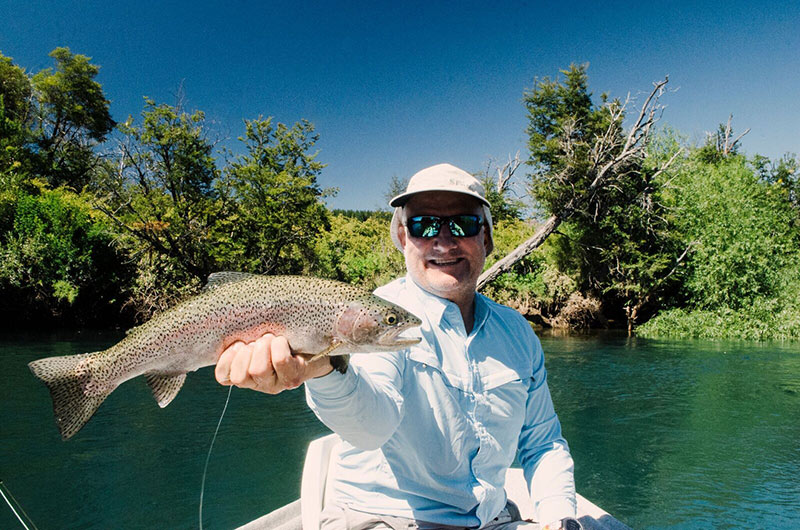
x: 427, y: 226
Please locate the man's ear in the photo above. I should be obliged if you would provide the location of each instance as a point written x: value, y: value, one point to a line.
x: 401, y: 235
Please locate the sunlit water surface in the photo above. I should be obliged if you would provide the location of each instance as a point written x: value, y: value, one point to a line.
x: 665, y: 434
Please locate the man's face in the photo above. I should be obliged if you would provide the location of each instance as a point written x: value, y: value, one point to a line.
x: 444, y: 265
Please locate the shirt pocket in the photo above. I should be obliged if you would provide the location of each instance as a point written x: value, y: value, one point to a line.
x: 502, y: 406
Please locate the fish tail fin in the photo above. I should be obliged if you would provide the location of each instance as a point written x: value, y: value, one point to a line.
x: 69, y: 380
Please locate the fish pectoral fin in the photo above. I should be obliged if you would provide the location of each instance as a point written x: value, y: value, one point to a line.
x: 165, y: 386
x: 327, y: 351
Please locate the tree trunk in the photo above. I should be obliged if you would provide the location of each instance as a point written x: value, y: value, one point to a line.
x: 520, y: 252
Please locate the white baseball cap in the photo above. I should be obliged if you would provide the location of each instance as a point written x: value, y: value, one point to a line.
x: 441, y: 177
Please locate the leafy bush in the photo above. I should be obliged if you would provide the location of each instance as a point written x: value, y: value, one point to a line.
x: 359, y: 252
x: 57, y: 260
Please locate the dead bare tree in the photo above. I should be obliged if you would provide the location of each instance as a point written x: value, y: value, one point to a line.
x: 505, y: 172
x: 612, y: 156
x: 723, y: 139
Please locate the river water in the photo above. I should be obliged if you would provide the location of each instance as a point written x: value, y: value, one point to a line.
x: 665, y: 434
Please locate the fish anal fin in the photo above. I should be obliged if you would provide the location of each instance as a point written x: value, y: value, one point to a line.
x: 221, y: 278
x: 165, y: 386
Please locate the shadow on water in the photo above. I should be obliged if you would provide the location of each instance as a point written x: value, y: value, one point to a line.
x: 665, y: 434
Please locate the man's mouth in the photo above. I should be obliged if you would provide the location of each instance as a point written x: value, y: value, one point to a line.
x: 444, y: 262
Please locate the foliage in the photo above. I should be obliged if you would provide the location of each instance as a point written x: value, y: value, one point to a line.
x: 363, y: 215
x: 161, y: 192
x: 274, y: 207
x: 783, y: 174
x: 564, y: 110
x: 711, y: 244
x: 742, y: 277
x: 745, y: 244
x: 359, y: 252
x: 618, y: 243
x: 15, y: 94
x: 397, y: 185
x: 58, y: 260
x: 15, y: 90
x: 537, y: 287
x: 503, y: 206
x: 765, y: 320
x: 70, y: 118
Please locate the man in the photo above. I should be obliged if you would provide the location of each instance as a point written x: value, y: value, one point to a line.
x: 430, y: 431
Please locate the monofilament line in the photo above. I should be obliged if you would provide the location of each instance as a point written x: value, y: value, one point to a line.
x: 208, y: 456
x: 3, y: 490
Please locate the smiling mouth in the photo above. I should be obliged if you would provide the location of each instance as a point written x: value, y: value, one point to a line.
x: 444, y: 262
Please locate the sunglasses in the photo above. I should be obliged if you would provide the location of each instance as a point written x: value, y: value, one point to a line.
x: 427, y: 226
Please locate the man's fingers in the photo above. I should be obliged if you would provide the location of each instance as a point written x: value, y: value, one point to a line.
x: 239, y: 366
x: 260, y: 362
x: 222, y: 372
x: 288, y: 368
x: 266, y: 365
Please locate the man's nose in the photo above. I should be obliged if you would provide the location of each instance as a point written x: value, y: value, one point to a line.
x: 445, y: 237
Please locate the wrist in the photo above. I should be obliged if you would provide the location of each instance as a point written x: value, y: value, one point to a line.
x: 567, y: 523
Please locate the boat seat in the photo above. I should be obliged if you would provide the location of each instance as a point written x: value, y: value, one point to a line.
x: 314, y: 489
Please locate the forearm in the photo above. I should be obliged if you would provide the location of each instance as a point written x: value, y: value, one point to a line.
x: 362, y: 406
x: 552, y: 484
x: 544, y: 454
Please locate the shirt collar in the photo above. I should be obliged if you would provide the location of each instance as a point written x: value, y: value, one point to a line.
x: 433, y: 306
x: 436, y: 307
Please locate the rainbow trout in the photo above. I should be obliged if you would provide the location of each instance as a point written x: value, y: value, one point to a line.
x: 317, y: 316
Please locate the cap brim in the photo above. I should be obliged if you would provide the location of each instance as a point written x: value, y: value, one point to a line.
x: 403, y: 198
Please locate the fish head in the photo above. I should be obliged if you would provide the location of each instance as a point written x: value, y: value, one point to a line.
x: 372, y: 324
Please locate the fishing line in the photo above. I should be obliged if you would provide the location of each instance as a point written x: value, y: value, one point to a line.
x: 208, y: 456
x: 3, y: 490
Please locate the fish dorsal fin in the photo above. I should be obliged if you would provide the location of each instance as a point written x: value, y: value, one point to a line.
x: 165, y: 387
x: 221, y: 278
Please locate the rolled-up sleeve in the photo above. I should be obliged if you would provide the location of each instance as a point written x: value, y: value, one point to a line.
x: 364, y: 405
x: 543, y: 452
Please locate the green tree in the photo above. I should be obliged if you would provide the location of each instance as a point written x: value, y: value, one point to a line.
x: 746, y: 240
x: 591, y: 174
x: 397, y: 185
x: 566, y: 130
x: 274, y: 207
x: 71, y: 117
x: 742, y: 277
x: 503, y: 205
x: 15, y: 95
x: 783, y: 173
x: 161, y: 192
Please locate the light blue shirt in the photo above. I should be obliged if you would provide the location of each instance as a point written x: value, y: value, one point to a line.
x: 430, y: 431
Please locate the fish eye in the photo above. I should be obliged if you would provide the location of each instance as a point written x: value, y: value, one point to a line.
x: 390, y: 319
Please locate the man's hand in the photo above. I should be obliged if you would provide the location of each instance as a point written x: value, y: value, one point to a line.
x: 267, y: 365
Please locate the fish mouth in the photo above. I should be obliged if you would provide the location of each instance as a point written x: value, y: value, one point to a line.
x: 391, y: 339
x: 402, y: 343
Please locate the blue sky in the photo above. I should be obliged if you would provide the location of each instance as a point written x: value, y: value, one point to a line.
x: 397, y: 86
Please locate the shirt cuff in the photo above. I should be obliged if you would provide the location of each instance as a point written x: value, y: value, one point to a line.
x: 335, y: 385
x: 555, y: 509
